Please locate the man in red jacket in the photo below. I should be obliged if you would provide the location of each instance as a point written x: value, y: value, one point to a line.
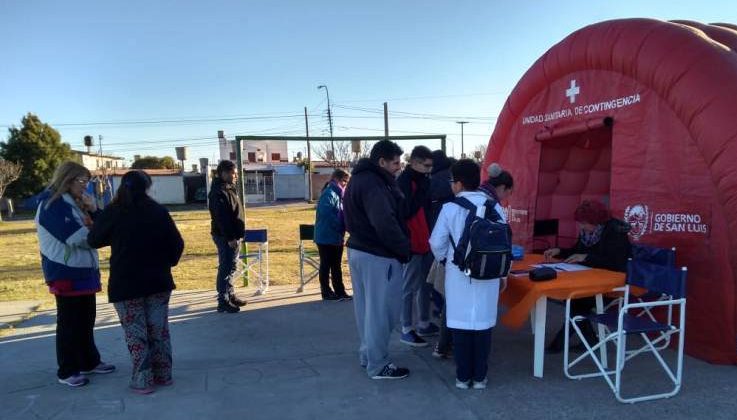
x: 415, y: 185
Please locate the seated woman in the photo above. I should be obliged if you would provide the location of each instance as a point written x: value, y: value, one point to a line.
x: 602, y: 243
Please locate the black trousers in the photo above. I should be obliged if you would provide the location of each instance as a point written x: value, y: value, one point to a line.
x: 75, y: 342
x: 471, y: 353
x: 331, y: 258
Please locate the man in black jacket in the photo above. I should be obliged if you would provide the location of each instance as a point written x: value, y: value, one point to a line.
x: 227, y: 227
x: 377, y: 248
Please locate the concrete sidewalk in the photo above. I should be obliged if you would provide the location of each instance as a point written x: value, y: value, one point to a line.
x: 14, y: 312
x: 292, y: 356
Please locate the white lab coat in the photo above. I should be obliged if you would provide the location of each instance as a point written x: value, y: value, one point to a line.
x: 470, y: 304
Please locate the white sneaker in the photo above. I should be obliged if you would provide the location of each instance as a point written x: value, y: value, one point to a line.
x: 74, y: 381
x: 481, y: 385
x: 462, y: 385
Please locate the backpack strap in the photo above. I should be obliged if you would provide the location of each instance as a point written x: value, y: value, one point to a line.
x: 468, y: 205
x: 491, y: 213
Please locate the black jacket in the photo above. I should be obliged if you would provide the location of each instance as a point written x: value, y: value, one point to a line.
x: 373, y: 213
x: 226, y: 211
x: 145, y: 245
x: 440, y: 191
x: 612, y: 250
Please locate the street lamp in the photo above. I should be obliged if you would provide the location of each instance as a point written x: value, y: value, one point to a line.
x: 462, y: 123
x: 330, y: 120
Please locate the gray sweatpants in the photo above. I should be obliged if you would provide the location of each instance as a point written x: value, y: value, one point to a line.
x: 417, y: 290
x: 377, y: 300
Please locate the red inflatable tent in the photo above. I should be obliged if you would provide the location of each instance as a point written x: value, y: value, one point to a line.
x: 642, y: 115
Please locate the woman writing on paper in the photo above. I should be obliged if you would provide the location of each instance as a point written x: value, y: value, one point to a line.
x: 602, y: 243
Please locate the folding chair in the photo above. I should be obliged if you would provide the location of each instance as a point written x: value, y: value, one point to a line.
x: 663, y: 279
x: 253, y: 260
x: 660, y: 256
x: 309, y: 258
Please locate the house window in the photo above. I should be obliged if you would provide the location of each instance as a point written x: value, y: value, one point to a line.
x: 275, y: 157
x: 251, y: 157
x: 232, y: 156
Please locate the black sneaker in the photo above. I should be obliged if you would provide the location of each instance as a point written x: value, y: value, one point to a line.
x: 345, y: 296
x: 233, y: 299
x: 392, y: 372
x: 228, y: 307
x: 331, y: 296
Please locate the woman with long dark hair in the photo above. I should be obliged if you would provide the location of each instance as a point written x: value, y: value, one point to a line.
x: 145, y: 246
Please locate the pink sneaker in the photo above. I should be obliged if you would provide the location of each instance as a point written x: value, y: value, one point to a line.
x: 143, y: 391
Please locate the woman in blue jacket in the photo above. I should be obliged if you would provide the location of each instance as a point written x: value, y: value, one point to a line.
x: 72, y: 271
x: 329, y: 235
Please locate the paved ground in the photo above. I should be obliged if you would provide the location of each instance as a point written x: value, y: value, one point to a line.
x: 293, y: 357
x: 12, y: 313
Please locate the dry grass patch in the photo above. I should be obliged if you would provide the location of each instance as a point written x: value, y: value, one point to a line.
x: 20, y: 263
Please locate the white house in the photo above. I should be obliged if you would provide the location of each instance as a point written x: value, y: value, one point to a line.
x: 94, y: 161
x: 259, y: 151
x: 167, y: 184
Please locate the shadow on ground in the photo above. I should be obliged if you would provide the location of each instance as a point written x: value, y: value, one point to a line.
x: 292, y: 357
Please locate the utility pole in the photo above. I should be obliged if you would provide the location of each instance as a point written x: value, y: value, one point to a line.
x: 239, y: 170
x: 462, y: 123
x: 386, y: 120
x: 330, y: 121
x: 309, y: 158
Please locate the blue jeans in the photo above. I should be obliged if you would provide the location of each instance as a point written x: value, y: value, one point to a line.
x: 227, y: 267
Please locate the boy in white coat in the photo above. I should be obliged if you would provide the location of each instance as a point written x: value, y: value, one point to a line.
x: 471, y: 304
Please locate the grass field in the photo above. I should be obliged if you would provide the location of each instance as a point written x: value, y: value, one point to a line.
x: 20, y: 263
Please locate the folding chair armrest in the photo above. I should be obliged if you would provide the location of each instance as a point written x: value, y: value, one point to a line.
x: 653, y: 304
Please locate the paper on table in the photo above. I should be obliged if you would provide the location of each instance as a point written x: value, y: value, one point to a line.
x: 564, y: 266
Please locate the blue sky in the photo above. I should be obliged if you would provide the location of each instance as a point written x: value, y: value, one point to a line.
x: 250, y: 67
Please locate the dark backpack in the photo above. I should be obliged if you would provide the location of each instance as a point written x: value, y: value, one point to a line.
x: 484, y: 250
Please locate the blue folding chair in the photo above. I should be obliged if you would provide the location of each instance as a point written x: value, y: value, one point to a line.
x: 661, y: 256
x: 254, y: 259
x: 657, y: 278
x: 309, y: 257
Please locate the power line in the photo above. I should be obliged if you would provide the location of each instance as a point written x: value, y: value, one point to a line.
x: 411, y: 98
x: 415, y: 114
x: 172, y: 121
x: 343, y: 127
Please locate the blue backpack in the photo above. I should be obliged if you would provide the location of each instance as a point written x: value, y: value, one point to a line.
x: 484, y: 251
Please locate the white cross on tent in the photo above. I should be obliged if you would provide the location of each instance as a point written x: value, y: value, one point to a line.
x: 573, y: 91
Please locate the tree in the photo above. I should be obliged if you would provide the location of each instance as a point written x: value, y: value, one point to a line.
x: 38, y: 148
x: 153, y: 162
x: 340, y: 157
x: 9, y: 172
x: 344, y: 153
